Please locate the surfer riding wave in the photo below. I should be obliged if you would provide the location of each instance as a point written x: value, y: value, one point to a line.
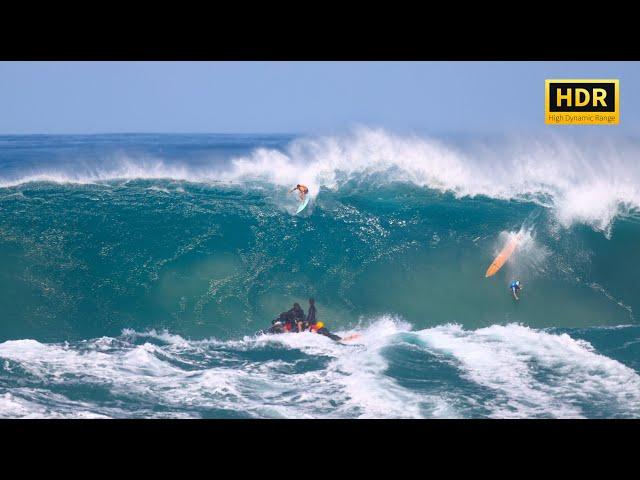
x: 302, y: 189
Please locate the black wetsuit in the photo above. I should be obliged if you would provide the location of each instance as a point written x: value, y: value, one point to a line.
x: 290, y: 318
x: 284, y: 317
x: 311, y: 315
x: 296, y: 315
x: 278, y: 325
x: 311, y: 318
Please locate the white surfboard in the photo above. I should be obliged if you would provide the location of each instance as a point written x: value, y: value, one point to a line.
x: 303, y: 204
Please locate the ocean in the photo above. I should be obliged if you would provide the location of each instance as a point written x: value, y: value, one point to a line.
x: 136, y: 270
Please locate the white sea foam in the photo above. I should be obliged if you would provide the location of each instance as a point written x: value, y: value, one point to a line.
x: 528, y: 260
x: 528, y: 373
x: 536, y: 373
x: 351, y: 384
x: 27, y: 403
x: 591, y: 183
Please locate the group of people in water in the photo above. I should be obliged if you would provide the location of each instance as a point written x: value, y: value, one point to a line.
x: 295, y: 321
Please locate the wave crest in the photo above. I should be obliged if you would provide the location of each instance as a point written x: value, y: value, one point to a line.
x: 587, y: 181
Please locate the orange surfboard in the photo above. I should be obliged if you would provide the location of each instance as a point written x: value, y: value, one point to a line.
x: 503, y: 256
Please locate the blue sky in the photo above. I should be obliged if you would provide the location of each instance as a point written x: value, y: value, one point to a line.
x: 292, y: 97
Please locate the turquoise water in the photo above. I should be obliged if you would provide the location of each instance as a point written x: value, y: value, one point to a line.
x: 136, y: 269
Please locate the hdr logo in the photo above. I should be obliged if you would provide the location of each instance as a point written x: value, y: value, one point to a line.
x: 582, y: 102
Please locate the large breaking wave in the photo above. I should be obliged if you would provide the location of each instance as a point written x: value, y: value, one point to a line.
x: 136, y: 269
x: 589, y: 180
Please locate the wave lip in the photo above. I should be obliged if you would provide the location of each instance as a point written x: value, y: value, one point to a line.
x: 121, y: 169
x: 583, y: 182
